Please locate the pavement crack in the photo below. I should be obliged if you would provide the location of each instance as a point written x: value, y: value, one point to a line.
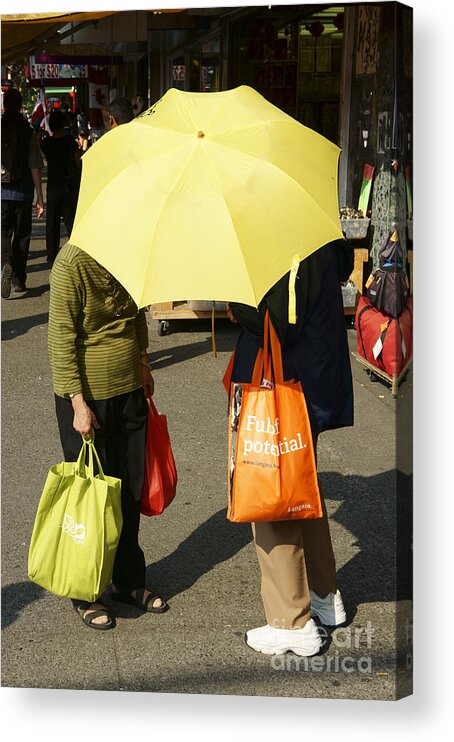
x: 120, y: 680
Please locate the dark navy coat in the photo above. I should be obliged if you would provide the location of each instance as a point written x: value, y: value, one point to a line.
x: 315, y: 350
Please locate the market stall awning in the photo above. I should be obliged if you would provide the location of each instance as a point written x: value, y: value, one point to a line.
x: 22, y: 34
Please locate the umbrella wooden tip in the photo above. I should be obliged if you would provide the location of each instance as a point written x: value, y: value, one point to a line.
x: 200, y: 134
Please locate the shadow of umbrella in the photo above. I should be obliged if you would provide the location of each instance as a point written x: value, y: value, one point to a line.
x: 213, y: 542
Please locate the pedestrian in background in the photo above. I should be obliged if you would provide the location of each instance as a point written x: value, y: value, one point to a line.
x: 119, y: 111
x: 82, y: 128
x: 63, y: 180
x: 21, y: 176
x: 72, y: 125
x: 296, y: 557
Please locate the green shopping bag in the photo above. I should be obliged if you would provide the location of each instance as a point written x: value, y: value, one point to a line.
x: 77, y: 527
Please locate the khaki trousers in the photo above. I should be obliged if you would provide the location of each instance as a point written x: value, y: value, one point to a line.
x: 294, y: 556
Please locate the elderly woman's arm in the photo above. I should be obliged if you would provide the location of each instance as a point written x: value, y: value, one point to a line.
x: 84, y: 418
x: 64, y: 308
x: 142, y: 340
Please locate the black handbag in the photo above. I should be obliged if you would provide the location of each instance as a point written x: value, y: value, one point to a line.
x: 387, y: 288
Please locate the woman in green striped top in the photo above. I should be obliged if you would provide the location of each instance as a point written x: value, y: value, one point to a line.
x: 98, y: 354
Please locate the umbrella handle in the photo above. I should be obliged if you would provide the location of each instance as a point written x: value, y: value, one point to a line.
x: 213, y: 339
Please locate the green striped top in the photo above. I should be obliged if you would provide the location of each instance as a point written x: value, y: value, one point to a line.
x: 96, y: 332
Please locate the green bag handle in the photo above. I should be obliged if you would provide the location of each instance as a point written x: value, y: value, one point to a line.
x: 81, y: 465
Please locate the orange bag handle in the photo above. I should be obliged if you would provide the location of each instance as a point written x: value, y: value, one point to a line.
x: 257, y: 374
x: 276, y: 354
x: 263, y: 368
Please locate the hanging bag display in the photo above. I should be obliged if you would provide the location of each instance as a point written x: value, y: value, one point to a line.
x: 160, y: 474
x: 77, y: 528
x: 387, y: 288
x: 272, y: 469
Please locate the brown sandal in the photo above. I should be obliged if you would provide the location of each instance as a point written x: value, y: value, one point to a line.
x: 145, y: 605
x: 82, y: 607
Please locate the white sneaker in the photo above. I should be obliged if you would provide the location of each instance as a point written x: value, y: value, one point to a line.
x: 270, y: 640
x: 330, y: 610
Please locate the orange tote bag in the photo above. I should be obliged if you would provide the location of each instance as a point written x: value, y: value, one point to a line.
x: 272, y: 471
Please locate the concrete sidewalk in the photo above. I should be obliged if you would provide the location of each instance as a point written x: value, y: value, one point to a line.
x: 204, y: 565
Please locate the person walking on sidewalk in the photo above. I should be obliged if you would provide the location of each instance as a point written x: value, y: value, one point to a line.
x: 83, y: 131
x: 63, y: 179
x: 296, y: 557
x: 98, y: 354
x: 21, y: 176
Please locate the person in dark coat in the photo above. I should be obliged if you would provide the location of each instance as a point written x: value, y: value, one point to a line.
x: 296, y: 557
x: 21, y: 176
x: 63, y: 181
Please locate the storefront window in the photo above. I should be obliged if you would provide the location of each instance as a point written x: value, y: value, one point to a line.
x: 178, y: 72
x: 268, y: 61
x: 210, y: 64
x: 294, y: 62
x: 198, y: 70
x: 319, y: 78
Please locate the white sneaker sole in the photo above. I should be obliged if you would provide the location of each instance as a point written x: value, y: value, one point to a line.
x: 272, y: 649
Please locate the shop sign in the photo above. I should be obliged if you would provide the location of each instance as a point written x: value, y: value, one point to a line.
x: 54, y: 71
x: 98, y: 95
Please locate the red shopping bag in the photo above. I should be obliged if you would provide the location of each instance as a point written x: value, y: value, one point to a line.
x: 272, y: 470
x: 160, y: 474
x: 383, y: 341
x: 228, y: 373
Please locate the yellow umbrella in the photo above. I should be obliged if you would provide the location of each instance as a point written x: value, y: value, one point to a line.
x: 207, y: 196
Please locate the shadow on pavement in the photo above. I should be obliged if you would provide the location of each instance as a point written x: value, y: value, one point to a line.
x: 213, y: 542
x: 12, y: 328
x: 37, y: 254
x: 179, y: 353
x: 16, y: 597
x: 370, y: 509
x: 36, y: 291
x: 38, y: 267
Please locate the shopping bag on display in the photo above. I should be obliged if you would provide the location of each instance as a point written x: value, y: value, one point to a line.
x: 160, y: 474
x: 384, y: 342
x: 77, y: 528
x: 272, y: 469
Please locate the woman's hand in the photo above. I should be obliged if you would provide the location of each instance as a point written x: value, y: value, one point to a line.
x: 84, y: 418
x: 147, y: 380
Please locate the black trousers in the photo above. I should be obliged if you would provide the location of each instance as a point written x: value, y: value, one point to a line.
x: 120, y: 444
x: 16, y: 234
x: 58, y: 204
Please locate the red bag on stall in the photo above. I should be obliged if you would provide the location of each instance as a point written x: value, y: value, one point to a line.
x: 160, y: 474
x: 383, y: 341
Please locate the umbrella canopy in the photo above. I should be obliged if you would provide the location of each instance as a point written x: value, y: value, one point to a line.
x: 207, y: 196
